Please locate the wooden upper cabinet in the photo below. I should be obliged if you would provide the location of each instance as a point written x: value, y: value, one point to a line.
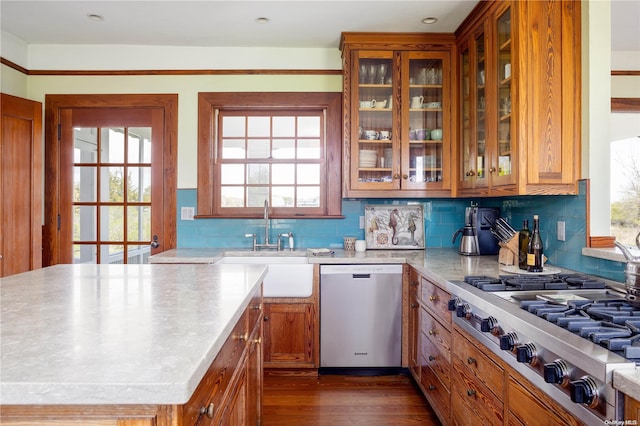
x: 398, y: 103
x: 519, y: 111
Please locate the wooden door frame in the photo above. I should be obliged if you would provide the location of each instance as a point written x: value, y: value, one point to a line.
x: 53, y: 105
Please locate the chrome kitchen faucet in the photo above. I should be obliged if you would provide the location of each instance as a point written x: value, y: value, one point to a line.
x: 267, y: 226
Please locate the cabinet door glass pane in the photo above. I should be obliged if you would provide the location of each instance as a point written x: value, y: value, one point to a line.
x: 425, y: 120
x: 466, y: 115
x: 375, y: 153
x: 481, y: 154
x: 504, y: 94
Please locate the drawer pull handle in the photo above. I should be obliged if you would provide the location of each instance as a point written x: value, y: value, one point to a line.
x: 208, y: 410
x: 471, y: 392
x: 266, y: 318
x: 243, y: 337
x: 433, y: 298
x: 414, y: 305
x: 258, y: 340
x: 471, y: 360
x: 432, y: 358
x: 257, y: 308
x: 432, y: 332
x: 432, y: 387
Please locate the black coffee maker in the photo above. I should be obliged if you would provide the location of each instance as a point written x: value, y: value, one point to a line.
x: 477, y: 238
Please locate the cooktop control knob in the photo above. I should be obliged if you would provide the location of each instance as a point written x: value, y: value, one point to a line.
x: 453, y: 304
x: 527, y: 353
x: 508, y: 341
x: 463, y: 311
x: 557, y: 372
x: 488, y: 325
x: 584, y: 391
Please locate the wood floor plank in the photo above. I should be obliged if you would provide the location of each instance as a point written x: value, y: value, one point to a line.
x: 339, y: 400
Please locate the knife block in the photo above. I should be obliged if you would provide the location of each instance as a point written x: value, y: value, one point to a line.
x: 509, y: 251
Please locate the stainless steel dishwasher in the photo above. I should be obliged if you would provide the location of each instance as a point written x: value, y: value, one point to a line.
x: 360, y: 316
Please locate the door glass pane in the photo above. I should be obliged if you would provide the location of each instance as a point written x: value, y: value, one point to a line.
x: 112, y: 184
x: 139, y: 184
x: 85, y: 184
x: 85, y: 143
x: 504, y: 93
x: 84, y: 253
x: 112, y: 223
x: 425, y: 120
x: 466, y: 115
x: 139, y: 145
x: 84, y: 223
x: 112, y: 253
x: 481, y: 142
x: 138, y: 254
x: 138, y: 223
x: 374, y: 120
x: 112, y: 145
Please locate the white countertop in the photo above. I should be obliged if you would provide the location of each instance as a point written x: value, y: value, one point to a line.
x: 116, y: 334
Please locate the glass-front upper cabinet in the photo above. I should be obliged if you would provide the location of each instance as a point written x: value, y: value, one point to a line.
x: 481, y: 110
x: 426, y: 130
x: 397, y: 105
x: 374, y: 155
x: 505, y: 89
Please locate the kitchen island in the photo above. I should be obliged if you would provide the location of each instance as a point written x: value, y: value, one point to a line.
x: 96, y: 336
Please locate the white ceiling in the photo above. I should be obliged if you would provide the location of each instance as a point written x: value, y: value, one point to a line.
x: 293, y: 23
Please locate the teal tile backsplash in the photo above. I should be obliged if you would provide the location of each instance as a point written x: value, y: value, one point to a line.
x: 442, y: 217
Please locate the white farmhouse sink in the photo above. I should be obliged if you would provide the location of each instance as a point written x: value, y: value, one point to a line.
x: 288, y: 276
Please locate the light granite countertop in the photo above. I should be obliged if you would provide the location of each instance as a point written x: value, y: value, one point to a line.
x: 116, y: 334
x: 440, y: 264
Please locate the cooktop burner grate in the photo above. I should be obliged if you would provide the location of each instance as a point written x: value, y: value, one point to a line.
x: 534, y: 282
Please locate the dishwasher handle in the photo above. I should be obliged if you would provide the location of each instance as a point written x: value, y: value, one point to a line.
x: 361, y: 276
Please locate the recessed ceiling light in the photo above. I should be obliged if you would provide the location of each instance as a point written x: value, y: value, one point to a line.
x: 262, y: 20
x: 430, y: 20
x: 95, y: 17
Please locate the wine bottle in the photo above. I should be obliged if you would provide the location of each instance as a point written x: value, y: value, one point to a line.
x: 524, y: 236
x: 535, y: 250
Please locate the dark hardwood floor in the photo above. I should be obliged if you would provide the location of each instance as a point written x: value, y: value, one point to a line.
x: 338, y: 400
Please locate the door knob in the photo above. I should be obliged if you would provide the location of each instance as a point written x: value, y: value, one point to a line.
x: 155, y: 243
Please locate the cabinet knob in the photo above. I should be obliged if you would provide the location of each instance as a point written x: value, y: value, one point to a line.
x: 258, y: 340
x: 432, y: 358
x: 208, y: 410
x: 432, y: 332
x: 433, y: 298
x: 396, y: 176
x: 471, y: 360
x: 266, y: 318
x: 492, y: 169
x: 432, y: 387
x: 470, y: 173
x: 471, y: 392
x: 257, y: 307
x: 405, y: 177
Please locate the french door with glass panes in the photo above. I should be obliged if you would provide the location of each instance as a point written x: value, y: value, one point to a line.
x: 106, y: 195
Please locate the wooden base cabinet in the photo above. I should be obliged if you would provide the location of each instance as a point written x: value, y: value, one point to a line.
x: 631, y: 408
x: 292, y: 331
x: 519, y: 110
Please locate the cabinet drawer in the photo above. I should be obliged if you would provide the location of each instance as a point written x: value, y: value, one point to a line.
x: 216, y: 380
x: 487, y: 371
x: 435, y: 332
x: 437, y: 393
x: 436, y: 299
x: 472, y: 403
x: 437, y: 361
